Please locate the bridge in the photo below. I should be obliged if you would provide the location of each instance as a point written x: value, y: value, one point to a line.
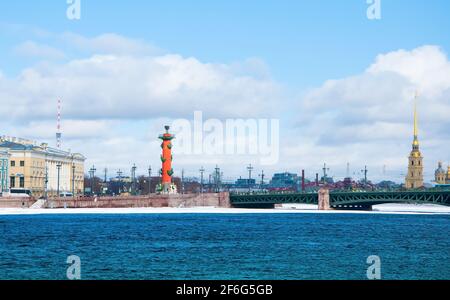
x: 341, y: 200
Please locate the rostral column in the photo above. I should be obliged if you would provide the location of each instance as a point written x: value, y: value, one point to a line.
x: 167, y: 187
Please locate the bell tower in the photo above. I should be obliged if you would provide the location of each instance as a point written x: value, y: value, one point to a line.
x: 414, y: 178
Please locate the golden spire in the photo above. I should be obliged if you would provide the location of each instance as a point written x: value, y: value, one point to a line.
x: 416, y: 132
x: 416, y: 127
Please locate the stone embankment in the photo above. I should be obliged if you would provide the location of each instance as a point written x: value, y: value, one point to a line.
x: 19, y: 202
x: 187, y: 200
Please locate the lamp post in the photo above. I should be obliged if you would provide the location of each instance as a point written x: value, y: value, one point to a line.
x: 250, y: 169
x: 119, y: 175
x: 262, y: 180
x: 73, y: 180
x: 92, y: 172
x: 58, y: 167
x: 182, y: 181
x: 133, y: 179
x: 46, y: 182
x: 217, y: 179
x: 149, y: 180
x: 202, y: 171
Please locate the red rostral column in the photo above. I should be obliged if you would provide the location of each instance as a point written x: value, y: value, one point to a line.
x: 166, y: 159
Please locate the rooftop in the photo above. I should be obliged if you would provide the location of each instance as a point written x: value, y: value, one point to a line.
x: 17, y: 144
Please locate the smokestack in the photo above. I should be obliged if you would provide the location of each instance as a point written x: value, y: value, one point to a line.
x: 303, y: 181
x: 317, y: 179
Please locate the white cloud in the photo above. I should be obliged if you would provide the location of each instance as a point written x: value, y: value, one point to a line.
x: 426, y: 67
x: 109, y: 43
x: 127, y: 87
x: 116, y: 101
x: 367, y: 118
x: 73, y: 129
x: 32, y: 49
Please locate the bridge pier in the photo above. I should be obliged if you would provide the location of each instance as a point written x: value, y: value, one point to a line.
x: 324, y: 199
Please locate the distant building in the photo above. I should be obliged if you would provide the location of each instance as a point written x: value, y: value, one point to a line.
x: 245, y: 183
x: 35, y: 168
x: 448, y: 175
x: 441, y: 176
x: 386, y: 184
x: 285, y: 181
x: 4, y: 171
x: 327, y: 180
x: 414, y: 178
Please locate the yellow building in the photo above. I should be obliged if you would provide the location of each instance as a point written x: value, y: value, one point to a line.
x: 448, y: 175
x: 414, y: 178
x: 43, y: 170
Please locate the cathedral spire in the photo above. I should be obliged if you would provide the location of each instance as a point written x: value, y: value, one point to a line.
x: 416, y: 126
x: 415, y: 117
x: 414, y: 178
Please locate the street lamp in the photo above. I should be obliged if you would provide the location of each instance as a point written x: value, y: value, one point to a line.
x: 58, y: 167
x: 119, y: 175
x: 73, y: 180
x: 202, y: 171
x: 250, y: 169
x: 149, y: 180
x: 92, y: 172
x: 133, y: 178
x: 46, y: 182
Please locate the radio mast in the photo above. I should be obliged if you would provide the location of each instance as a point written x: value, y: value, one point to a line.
x: 58, y: 126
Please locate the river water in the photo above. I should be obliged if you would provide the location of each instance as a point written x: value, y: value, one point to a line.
x: 225, y: 246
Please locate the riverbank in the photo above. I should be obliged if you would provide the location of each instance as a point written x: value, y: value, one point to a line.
x: 290, y: 209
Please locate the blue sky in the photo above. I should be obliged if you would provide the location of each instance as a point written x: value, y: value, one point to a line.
x: 303, y: 42
x: 285, y: 52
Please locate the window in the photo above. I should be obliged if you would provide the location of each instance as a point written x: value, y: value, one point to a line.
x: 22, y: 163
x: 13, y: 163
x: 22, y: 182
x: 13, y: 181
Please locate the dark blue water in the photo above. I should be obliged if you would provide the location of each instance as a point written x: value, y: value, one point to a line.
x: 266, y: 246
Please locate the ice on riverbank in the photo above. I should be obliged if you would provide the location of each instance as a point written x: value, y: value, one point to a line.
x: 288, y: 208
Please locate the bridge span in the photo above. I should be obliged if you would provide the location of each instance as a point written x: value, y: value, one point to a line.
x: 341, y: 200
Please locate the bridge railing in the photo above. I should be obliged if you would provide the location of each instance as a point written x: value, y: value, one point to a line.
x: 345, y: 197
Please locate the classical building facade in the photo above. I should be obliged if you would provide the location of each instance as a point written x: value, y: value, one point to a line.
x: 414, y: 178
x: 43, y: 170
x: 4, y: 171
x: 441, y: 176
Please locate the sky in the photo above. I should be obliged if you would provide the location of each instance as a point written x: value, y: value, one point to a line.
x: 340, y: 84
